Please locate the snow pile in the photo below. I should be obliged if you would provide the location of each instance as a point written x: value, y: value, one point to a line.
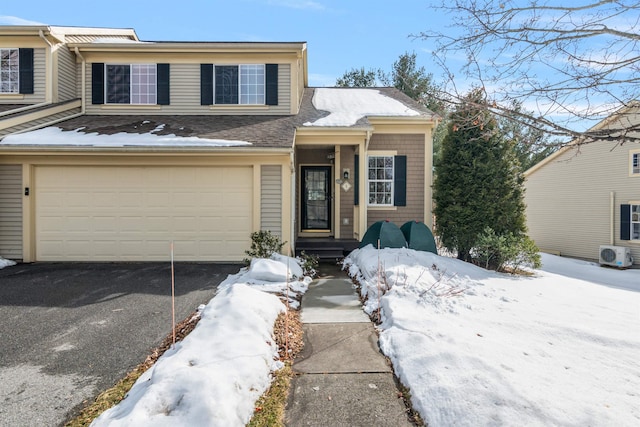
x: 215, y: 375
x: 347, y: 106
x: 54, y: 136
x: 482, y: 348
x: 6, y: 263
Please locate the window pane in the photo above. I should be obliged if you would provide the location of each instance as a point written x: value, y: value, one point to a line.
x: 143, y: 84
x: 226, y: 84
x: 118, y: 82
x: 252, y: 85
x: 9, y: 67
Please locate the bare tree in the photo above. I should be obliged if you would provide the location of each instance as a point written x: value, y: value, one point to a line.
x: 572, y: 62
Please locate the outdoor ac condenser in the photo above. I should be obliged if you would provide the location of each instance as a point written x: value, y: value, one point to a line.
x: 616, y: 256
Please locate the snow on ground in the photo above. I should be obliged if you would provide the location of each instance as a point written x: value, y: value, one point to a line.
x: 347, y: 106
x: 6, y: 263
x: 54, y: 136
x: 215, y: 375
x: 480, y: 348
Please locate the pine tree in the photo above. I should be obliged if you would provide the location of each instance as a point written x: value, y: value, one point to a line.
x: 478, y: 181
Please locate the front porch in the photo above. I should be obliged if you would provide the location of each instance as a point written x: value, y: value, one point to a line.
x: 326, y: 248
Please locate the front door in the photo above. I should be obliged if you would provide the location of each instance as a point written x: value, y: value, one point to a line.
x: 316, y: 198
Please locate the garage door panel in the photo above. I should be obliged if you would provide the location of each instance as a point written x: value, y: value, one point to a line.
x: 133, y: 213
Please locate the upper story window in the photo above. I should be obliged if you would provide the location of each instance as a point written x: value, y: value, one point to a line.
x: 9, y: 71
x: 239, y: 84
x: 635, y: 163
x: 381, y: 172
x: 130, y: 84
x: 245, y: 84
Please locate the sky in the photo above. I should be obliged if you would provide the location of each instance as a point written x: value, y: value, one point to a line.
x: 340, y: 34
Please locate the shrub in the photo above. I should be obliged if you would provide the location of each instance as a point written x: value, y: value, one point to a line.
x: 263, y: 244
x: 309, y: 264
x: 499, y: 252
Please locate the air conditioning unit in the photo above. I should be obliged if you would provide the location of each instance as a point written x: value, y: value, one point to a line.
x: 617, y: 256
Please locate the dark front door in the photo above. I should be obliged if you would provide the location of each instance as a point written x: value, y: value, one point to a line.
x: 316, y: 198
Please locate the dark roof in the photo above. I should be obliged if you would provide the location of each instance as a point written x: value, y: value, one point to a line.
x: 262, y: 131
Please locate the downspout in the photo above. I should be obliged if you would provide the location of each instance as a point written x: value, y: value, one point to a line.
x: 612, y: 200
x: 83, y: 70
x: 49, y: 77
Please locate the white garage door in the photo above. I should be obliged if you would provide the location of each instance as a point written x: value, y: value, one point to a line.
x: 133, y: 213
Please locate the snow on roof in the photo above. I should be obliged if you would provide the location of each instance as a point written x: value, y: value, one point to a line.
x: 347, y: 106
x: 54, y: 136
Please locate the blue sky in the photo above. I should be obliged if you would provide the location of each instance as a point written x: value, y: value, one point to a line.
x: 341, y: 34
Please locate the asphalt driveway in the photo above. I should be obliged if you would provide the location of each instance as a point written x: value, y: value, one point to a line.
x: 70, y: 330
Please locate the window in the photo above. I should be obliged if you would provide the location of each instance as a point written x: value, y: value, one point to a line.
x: 381, y: 172
x: 244, y: 84
x: 635, y: 222
x: 635, y: 163
x: 9, y: 71
x: 131, y: 84
x: 137, y: 84
x: 247, y: 84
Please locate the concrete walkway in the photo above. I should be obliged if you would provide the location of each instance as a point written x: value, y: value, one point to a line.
x: 342, y: 378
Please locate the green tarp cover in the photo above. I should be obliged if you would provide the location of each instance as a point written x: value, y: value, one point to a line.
x: 419, y: 237
x: 387, y: 232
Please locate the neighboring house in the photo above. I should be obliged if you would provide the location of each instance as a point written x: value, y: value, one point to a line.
x: 585, y: 196
x: 124, y: 146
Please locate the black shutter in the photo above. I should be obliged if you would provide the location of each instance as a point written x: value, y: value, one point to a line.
x: 206, y: 84
x: 163, y: 84
x: 25, y: 66
x: 400, y: 181
x: 271, y: 80
x: 97, y: 83
x: 625, y: 222
x: 356, y: 181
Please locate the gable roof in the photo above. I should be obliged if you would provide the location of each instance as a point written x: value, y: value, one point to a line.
x: 625, y: 118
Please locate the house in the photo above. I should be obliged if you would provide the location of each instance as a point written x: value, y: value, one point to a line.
x: 113, y: 147
x: 588, y: 195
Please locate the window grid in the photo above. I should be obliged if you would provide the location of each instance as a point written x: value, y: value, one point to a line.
x: 9, y: 71
x: 635, y: 222
x: 381, y: 170
x: 143, y: 84
x: 635, y: 163
x: 252, y: 85
x: 118, y: 82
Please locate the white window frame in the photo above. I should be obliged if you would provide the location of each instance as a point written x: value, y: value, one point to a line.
x: 634, y: 163
x: 390, y: 193
x: 635, y: 222
x: 137, y: 72
x: 252, y: 84
x: 10, y: 72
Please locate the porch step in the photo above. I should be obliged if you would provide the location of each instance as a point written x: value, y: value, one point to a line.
x: 326, y: 249
x: 324, y: 253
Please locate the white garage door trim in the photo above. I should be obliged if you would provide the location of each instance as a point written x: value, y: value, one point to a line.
x: 133, y: 213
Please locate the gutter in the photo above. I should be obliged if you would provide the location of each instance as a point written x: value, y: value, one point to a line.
x: 84, y: 80
x: 25, y: 108
x: 49, y: 92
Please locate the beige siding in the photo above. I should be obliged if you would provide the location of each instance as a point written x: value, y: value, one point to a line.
x: 11, y: 211
x: 38, y: 122
x: 185, y: 96
x: 412, y: 146
x: 569, y: 200
x: 271, y: 199
x: 66, y: 75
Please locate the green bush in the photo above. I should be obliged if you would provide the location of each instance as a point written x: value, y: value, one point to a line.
x: 263, y: 244
x: 501, y: 252
x: 309, y: 264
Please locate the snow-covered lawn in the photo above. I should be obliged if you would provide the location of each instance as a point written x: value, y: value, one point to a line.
x: 478, y: 348
x: 215, y: 375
